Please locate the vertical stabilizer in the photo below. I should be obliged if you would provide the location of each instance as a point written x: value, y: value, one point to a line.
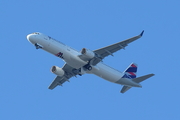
x: 131, y: 71
x: 130, y: 74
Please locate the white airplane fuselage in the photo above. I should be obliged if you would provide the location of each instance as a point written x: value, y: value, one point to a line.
x: 71, y: 57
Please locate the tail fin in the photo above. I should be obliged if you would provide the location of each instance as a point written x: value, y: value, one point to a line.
x: 130, y: 72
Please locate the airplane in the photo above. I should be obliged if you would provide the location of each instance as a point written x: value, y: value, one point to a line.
x: 87, y: 61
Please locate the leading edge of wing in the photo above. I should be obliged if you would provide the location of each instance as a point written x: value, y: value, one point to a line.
x: 109, y: 50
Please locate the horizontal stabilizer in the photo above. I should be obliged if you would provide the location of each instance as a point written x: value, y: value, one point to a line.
x: 125, y: 88
x: 137, y: 80
x: 142, y: 78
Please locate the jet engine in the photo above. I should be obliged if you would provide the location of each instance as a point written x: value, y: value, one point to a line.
x: 57, y: 70
x: 87, y: 53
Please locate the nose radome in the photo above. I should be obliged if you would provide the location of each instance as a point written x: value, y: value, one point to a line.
x: 30, y: 38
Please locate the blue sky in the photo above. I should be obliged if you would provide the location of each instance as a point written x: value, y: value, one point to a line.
x: 25, y: 71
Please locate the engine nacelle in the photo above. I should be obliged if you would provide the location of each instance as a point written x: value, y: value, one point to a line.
x: 88, y: 53
x: 57, y: 70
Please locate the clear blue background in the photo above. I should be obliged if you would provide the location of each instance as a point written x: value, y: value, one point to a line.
x: 25, y: 71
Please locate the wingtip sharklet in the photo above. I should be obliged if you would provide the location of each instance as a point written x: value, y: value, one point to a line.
x: 142, y: 33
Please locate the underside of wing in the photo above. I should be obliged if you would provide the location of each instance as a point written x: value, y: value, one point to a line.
x: 59, y: 80
x: 109, y: 50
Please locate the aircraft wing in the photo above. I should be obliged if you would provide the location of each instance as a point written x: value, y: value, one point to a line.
x: 59, y: 80
x: 109, y: 50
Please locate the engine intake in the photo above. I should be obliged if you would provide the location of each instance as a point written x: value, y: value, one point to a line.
x: 88, y: 53
x: 57, y: 70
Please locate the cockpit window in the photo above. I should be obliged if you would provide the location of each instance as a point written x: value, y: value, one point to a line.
x: 36, y: 33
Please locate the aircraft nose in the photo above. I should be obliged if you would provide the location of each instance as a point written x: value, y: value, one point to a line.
x: 30, y: 38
